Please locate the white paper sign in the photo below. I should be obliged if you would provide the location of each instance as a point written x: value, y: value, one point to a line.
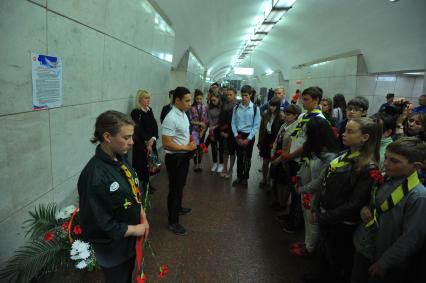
x: 47, y: 81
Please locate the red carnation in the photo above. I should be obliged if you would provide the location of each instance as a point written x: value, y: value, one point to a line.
x: 204, y: 148
x: 140, y: 279
x: 377, y: 176
x: 65, y: 226
x: 77, y: 230
x: 49, y: 236
x: 163, y: 271
x: 307, y: 201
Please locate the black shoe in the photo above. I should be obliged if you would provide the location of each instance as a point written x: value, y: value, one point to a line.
x: 289, y: 227
x: 178, y: 229
x: 236, y: 182
x: 185, y: 210
x: 244, y: 183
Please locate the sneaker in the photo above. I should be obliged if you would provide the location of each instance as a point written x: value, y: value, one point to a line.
x: 219, y: 168
x: 301, y: 252
x: 214, y: 168
x: 185, y: 211
x: 289, y: 227
x: 178, y: 229
x: 236, y: 182
x: 244, y: 183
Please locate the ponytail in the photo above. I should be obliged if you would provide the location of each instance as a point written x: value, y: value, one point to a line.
x: 370, y: 150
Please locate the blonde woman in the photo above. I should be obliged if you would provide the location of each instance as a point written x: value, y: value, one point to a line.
x: 145, y: 136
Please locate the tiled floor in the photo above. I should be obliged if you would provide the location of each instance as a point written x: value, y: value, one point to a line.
x: 232, y: 234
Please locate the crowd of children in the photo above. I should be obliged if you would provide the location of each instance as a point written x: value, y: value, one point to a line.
x: 353, y: 182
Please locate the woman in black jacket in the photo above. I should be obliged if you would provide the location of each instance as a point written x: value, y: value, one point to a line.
x: 145, y: 136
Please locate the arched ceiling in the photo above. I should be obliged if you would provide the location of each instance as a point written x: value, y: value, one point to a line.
x: 391, y: 36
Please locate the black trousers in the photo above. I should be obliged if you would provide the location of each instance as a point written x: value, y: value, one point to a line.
x: 121, y: 273
x: 217, y: 146
x: 244, y: 154
x: 177, y: 169
x: 337, y: 252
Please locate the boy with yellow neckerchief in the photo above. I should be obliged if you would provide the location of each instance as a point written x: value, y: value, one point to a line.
x: 393, y: 228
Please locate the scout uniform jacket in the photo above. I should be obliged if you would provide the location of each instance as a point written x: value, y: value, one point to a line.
x: 107, y: 207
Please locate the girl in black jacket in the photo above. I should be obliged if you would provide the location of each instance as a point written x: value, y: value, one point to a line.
x: 346, y: 189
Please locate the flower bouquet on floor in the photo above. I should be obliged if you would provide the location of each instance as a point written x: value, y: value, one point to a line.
x: 55, y: 244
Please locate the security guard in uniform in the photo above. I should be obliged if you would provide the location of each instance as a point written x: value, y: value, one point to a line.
x: 111, y: 214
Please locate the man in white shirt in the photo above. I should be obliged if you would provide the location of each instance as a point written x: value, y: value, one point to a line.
x: 179, y: 148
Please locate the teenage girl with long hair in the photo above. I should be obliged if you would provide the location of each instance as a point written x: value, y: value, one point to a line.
x: 346, y: 189
x: 199, y: 121
x: 216, y: 141
x: 271, y: 122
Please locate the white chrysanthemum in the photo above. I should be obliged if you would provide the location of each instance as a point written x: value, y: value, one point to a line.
x: 81, y: 265
x: 81, y: 246
x: 65, y: 212
x: 85, y: 254
x: 80, y: 250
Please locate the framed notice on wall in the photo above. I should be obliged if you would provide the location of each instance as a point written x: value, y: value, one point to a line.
x: 47, y: 81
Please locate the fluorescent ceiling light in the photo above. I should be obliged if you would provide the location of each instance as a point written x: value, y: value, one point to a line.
x: 269, y: 72
x: 386, y: 79
x: 415, y: 73
x: 283, y: 3
x: 258, y: 36
x: 243, y: 71
x: 275, y: 15
x: 265, y: 26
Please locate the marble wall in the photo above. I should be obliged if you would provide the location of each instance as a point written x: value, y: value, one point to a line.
x: 336, y: 76
x: 110, y: 49
x: 349, y: 77
x: 194, y: 73
x: 375, y: 88
x: 189, y: 73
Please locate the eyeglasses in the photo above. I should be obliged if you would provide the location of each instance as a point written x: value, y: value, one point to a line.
x: 354, y: 109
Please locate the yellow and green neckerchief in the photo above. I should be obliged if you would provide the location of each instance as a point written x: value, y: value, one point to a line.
x: 305, y: 119
x: 341, y: 161
x: 135, y: 189
x: 395, y: 197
